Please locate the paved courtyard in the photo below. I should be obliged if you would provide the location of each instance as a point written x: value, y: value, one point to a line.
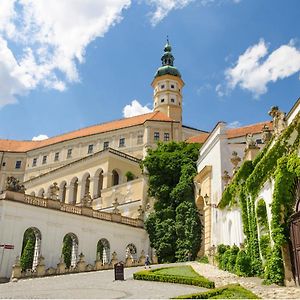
x: 93, y: 285
x: 101, y: 285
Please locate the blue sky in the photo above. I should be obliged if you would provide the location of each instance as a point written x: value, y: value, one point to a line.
x: 71, y: 64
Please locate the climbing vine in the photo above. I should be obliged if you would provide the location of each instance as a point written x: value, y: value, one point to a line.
x: 278, y: 161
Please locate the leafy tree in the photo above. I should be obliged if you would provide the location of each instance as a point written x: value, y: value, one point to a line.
x: 174, y: 227
x: 27, y: 255
x: 67, y: 250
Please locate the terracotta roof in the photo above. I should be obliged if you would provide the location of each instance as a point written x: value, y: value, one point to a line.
x: 242, y: 131
x: 233, y: 132
x: 23, y: 146
x: 201, y: 138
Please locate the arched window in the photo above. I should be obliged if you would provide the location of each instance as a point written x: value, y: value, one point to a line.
x: 70, y: 250
x: 115, y: 178
x: 131, y: 251
x: 31, y: 248
x: 103, y: 251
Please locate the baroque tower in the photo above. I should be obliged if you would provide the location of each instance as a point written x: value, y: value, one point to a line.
x: 167, y: 85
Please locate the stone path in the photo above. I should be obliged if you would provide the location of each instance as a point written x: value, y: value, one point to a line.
x: 94, y: 285
x: 251, y: 283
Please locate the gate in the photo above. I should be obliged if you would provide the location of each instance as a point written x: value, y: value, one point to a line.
x: 295, y: 235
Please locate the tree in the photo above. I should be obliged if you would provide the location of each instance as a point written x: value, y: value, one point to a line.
x: 174, y: 227
x: 67, y: 250
x: 27, y: 255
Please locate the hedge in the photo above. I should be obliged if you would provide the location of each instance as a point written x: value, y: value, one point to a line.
x: 151, y: 276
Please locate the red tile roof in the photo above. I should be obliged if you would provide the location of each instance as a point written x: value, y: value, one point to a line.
x: 233, y: 132
x: 23, y: 146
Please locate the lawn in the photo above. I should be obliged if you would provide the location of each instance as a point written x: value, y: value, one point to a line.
x: 232, y: 291
x: 179, y: 274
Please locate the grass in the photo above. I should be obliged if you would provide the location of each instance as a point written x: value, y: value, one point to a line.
x: 179, y: 274
x: 232, y: 291
x: 178, y: 271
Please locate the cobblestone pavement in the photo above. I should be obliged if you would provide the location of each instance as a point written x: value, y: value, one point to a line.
x: 251, y: 283
x: 94, y: 285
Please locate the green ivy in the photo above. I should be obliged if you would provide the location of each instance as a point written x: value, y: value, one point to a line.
x: 67, y: 250
x: 279, y: 160
x: 27, y: 255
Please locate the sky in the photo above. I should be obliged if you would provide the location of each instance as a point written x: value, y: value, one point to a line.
x: 68, y: 64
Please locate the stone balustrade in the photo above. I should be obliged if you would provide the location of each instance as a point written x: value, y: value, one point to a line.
x: 68, y: 208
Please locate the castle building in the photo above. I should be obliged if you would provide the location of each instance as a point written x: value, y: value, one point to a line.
x: 96, y: 167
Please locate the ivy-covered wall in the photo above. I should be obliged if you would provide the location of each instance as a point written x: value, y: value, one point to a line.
x: 280, y: 162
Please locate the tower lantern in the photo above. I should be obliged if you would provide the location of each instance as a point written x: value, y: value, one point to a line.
x: 167, y: 85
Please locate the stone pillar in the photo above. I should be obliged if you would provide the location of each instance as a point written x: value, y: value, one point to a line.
x: 288, y: 273
x: 251, y: 153
x: 107, y: 180
x: 79, y: 192
x: 69, y: 193
x: 40, y: 268
x: 142, y: 258
x: 93, y: 187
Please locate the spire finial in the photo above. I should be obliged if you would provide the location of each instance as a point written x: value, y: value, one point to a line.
x: 168, y: 40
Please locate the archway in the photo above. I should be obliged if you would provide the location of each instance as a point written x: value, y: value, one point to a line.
x: 263, y: 229
x: 115, y: 178
x: 200, y: 207
x: 70, y: 250
x: 131, y: 251
x: 62, y: 191
x: 31, y: 248
x: 103, y: 251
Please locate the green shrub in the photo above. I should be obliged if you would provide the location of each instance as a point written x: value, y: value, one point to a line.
x: 232, y: 258
x: 243, y: 264
x: 225, y: 260
x: 203, y: 260
x: 221, y: 249
x: 151, y: 275
x: 67, y: 250
x: 129, y: 175
x: 232, y: 291
x: 27, y: 255
x: 265, y: 247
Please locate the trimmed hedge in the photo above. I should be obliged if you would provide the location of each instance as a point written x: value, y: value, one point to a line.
x: 231, y: 291
x: 151, y: 276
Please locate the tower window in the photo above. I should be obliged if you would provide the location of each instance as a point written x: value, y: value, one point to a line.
x: 122, y: 142
x: 34, y: 162
x: 69, y: 153
x: 162, y: 86
x: 18, y: 164
x: 56, y: 156
x: 90, y: 149
x: 105, y: 145
x: 172, y: 86
x: 4, y: 164
x: 166, y: 136
x: 156, y: 136
x: 44, y: 159
x: 162, y: 100
x: 172, y: 100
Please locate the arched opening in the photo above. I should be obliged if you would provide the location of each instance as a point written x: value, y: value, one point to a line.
x: 131, y: 251
x: 63, y: 191
x: 98, y: 183
x: 103, y: 251
x: 263, y: 229
x: 200, y: 207
x: 31, y: 248
x: 115, y: 177
x: 41, y: 193
x: 70, y: 250
x: 85, y: 185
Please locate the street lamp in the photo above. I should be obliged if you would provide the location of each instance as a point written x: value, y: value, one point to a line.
x: 207, y: 202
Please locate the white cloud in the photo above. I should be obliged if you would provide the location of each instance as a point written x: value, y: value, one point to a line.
x: 163, y: 7
x: 134, y: 109
x: 51, y: 38
x: 253, y: 73
x: 234, y: 124
x: 40, y: 137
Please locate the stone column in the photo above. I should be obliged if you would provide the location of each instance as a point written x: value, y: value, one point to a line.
x: 69, y: 193
x: 80, y: 188
x: 93, y: 187
x: 107, y: 180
